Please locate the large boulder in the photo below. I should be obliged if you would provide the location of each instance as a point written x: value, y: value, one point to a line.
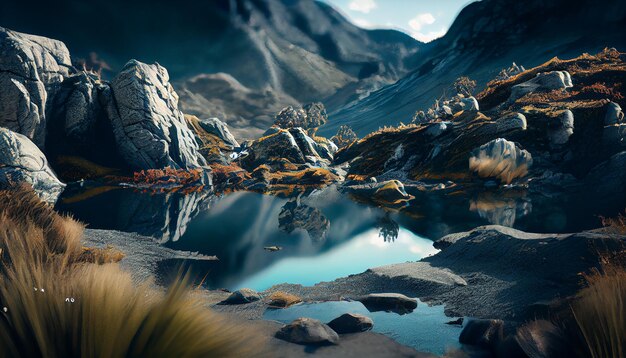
x: 149, y: 129
x: 21, y: 161
x: 500, y: 159
x: 308, y: 331
x: 543, y: 82
x: 31, y: 70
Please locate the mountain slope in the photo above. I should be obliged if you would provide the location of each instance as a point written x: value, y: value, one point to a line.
x: 487, y: 36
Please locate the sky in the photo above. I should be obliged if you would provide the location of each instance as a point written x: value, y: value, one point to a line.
x: 425, y: 20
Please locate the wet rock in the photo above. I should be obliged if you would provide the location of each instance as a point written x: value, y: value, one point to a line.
x: 456, y: 322
x: 485, y: 333
x: 21, y: 161
x: 308, y: 331
x: 393, y: 302
x: 614, y: 114
x: 543, y: 82
x: 561, y: 128
x: 351, y: 323
x: 220, y: 129
x: 500, y: 159
x: 149, y: 129
x: 31, y: 71
x: 242, y: 296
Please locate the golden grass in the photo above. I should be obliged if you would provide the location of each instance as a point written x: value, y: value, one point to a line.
x: 600, y: 312
x: 616, y: 225
x: 54, y: 304
x: 280, y: 299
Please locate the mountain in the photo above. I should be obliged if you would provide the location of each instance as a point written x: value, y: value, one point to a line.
x: 275, y: 52
x: 487, y: 36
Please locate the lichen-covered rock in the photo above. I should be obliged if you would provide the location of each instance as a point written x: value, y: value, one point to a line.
x: 544, y: 82
x: 308, y: 331
x: 500, y: 159
x: 31, y: 69
x: 149, y: 129
x: 22, y: 162
x: 220, y: 129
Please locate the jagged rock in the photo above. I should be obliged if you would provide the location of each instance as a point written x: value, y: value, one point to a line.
x: 500, y: 159
x: 31, y: 69
x: 220, y: 129
x: 290, y: 117
x: 614, y: 114
x: 308, y: 331
x: 393, y: 302
x: 242, y: 296
x: 21, y: 161
x: 561, y: 128
x: 485, y: 333
x: 316, y: 114
x: 544, y: 82
x: 351, y: 323
x: 149, y: 129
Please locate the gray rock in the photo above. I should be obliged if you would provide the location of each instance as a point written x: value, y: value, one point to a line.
x: 614, y: 114
x: 436, y: 129
x: 470, y: 104
x: 500, y: 159
x: 485, y: 333
x: 351, y: 323
x: 544, y: 82
x: 149, y: 129
x: 241, y: 296
x: 22, y: 162
x: 393, y: 302
x: 561, y: 128
x: 308, y: 331
x: 220, y: 129
x: 31, y: 69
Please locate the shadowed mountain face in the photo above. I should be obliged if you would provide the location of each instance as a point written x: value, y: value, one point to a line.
x: 486, y: 37
x: 282, y: 51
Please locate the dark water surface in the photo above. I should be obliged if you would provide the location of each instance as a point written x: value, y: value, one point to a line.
x: 322, y: 237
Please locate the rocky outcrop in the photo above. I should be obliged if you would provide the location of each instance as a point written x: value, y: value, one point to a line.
x: 344, y: 137
x: 220, y: 129
x: 149, y: 129
x: 31, y: 70
x: 22, y: 162
x: 543, y: 82
x: 500, y: 159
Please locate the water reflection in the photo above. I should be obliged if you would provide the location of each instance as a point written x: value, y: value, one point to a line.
x: 500, y: 210
x: 295, y: 215
x: 388, y: 228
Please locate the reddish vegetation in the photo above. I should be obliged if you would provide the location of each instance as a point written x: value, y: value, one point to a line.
x: 231, y: 175
x: 168, y: 179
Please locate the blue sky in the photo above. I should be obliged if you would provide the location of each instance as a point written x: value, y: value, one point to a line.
x: 425, y: 20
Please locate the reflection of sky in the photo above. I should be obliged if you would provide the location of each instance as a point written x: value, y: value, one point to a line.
x: 424, y: 329
x: 364, y: 251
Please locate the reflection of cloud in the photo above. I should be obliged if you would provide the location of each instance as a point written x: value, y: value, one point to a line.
x: 364, y: 6
x: 420, y: 20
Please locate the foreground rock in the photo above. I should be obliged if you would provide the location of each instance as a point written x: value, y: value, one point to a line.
x: 308, y: 331
x: 150, y: 131
x: 351, y: 323
x: 31, y: 70
x: 22, y: 162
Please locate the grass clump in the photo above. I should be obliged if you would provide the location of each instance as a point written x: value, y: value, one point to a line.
x: 55, y: 302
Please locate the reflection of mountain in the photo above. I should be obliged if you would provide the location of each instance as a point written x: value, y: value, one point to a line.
x: 162, y: 216
x: 275, y: 49
x: 294, y: 215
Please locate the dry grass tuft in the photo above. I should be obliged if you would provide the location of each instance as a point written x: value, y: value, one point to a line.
x: 54, y: 304
x: 616, y: 225
x: 600, y: 312
x: 280, y: 299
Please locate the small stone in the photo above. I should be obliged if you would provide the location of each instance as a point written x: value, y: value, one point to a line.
x: 456, y: 322
x: 308, y: 331
x: 393, y: 302
x: 272, y: 248
x: 351, y: 323
x: 242, y: 296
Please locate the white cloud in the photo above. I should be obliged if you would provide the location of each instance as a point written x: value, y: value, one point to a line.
x: 364, y: 6
x: 428, y: 36
x: 420, y: 20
